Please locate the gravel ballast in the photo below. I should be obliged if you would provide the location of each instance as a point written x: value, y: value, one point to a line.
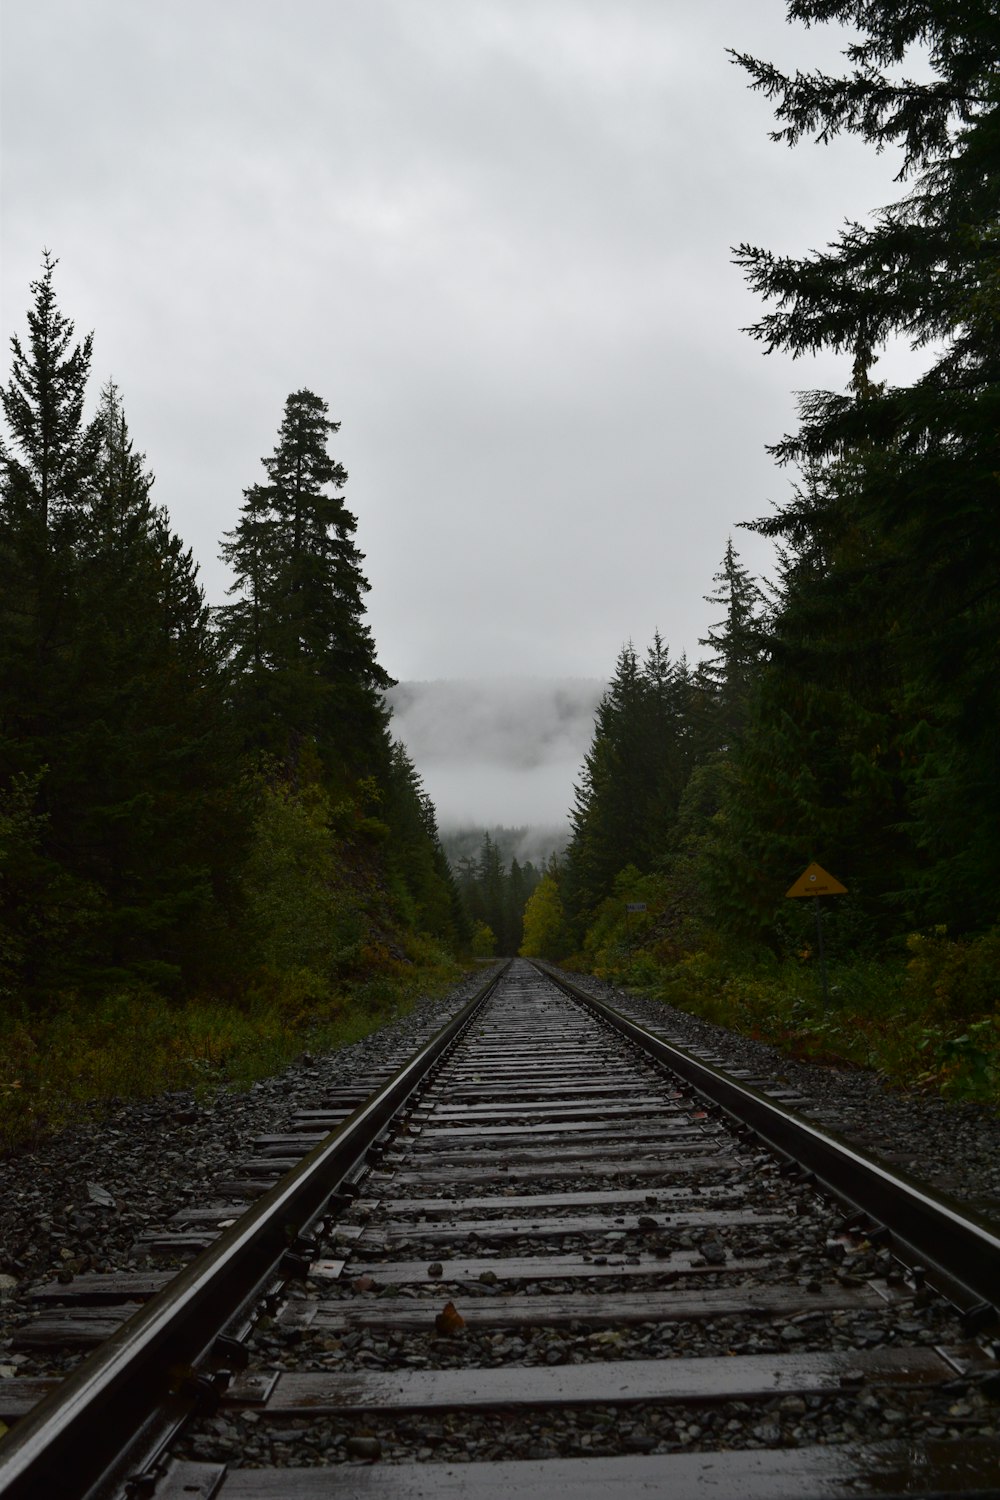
x: 81, y: 1202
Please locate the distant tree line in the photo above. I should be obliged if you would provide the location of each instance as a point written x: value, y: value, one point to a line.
x: 494, y: 894
x: 189, y: 798
x: 848, y: 714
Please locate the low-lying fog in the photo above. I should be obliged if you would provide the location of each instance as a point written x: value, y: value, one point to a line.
x: 498, y: 751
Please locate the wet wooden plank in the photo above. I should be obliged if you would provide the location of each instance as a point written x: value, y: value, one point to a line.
x: 245, y: 1187
x: 842, y: 1472
x: 708, y: 1166
x: 297, y: 1143
x: 73, y: 1328
x: 98, y: 1288
x: 191, y: 1481
x: 644, y: 1129
x: 179, y: 1242
x: 19, y: 1395
x: 218, y: 1214
x: 618, y: 1309
x: 521, y: 1143
x: 499, y: 1231
x: 555, y: 1109
x: 542, y: 1092
x: 650, y: 1201
x: 741, y: 1377
x: 552, y: 1267
x: 268, y: 1166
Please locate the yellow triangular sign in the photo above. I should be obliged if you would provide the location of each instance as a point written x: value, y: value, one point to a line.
x: 816, y: 882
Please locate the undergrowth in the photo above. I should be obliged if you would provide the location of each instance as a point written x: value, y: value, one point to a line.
x: 926, y: 1019
x: 133, y: 1044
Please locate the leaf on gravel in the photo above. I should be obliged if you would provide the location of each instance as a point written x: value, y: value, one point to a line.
x: 449, y: 1320
x: 609, y: 1337
x: 363, y: 1284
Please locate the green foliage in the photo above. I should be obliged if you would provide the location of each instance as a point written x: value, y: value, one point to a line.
x: 303, y: 916
x: 303, y: 659
x: 415, y: 856
x: 902, y: 551
x: 138, y: 855
x: 880, y: 1014
x: 111, y: 692
x: 483, y: 943
x: 494, y: 896
x: 546, y: 930
x: 130, y: 1043
x: 956, y: 978
x: 633, y: 776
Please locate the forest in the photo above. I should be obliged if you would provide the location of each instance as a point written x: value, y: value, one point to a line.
x: 213, y: 850
x: 845, y: 713
x: 209, y: 840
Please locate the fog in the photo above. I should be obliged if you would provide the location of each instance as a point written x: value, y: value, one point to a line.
x: 501, y: 751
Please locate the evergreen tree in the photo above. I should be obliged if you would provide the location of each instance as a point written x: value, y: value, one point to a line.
x: 47, y: 464
x: 633, y: 777
x: 147, y: 766
x: 46, y: 472
x: 415, y: 855
x: 926, y: 457
x: 546, y: 931
x: 47, y: 461
x: 728, y: 675
x: 303, y: 657
x: 494, y: 896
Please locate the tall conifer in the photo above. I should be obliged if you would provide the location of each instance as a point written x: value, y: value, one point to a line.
x: 305, y: 665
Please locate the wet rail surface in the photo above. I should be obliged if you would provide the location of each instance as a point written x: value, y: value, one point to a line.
x: 559, y: 1270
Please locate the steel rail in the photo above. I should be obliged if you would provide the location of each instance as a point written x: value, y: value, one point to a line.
x: 73, y: 1441
x: 954, y: 1246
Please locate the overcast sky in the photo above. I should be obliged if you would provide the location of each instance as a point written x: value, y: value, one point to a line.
x: 493, y: 234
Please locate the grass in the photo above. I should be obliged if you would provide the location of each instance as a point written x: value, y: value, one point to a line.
x: 133, y: 1044
x: 926, y: 1022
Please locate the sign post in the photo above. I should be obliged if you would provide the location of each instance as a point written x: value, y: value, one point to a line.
x: 815, y: 882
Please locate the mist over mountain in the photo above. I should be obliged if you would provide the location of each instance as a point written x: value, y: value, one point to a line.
x: 499, y: 752
x: 533, y: 844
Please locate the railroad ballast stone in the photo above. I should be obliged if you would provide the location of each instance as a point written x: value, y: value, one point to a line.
x: 125, y: 1159
x: 813, y: 1253
x: 953, y: 1146
x: 150, y: 1157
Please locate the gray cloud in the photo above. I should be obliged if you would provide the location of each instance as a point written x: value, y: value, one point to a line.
x: 494, y: 236
x: 498, y: 751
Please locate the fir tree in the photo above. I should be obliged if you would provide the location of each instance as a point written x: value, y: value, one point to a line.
x: 303, y: 657
x: 925, y: 457
x: 632, y: 779
x: 736, y: 643
x: 50, y: 460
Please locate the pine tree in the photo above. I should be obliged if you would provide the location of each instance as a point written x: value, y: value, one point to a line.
x: 46, y: 473
x: 925, y: 457
x: 632, y: 779
x: 415, y: 855
x: 736, y: 644
x: 303, y: 657
x: 147, y: 765
x: 47, y: 462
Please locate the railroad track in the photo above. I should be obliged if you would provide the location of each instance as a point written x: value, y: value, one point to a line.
x: 547, y: 1263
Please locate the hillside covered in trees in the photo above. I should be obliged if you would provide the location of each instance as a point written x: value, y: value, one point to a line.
x: 192, y: 803
x: 848, y: 712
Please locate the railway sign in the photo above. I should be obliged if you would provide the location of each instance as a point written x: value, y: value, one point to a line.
x: 635, y: 906
x: 816, y: 882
